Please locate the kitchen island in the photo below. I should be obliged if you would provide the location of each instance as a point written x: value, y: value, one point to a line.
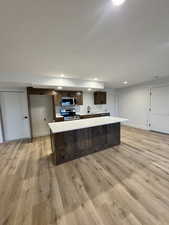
x: 74, y: 139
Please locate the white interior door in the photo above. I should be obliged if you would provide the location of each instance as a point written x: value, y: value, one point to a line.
x: 159, y: 116
x: 42, y: 114
x: 15, y: 115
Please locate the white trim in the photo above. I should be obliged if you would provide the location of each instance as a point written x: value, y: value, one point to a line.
x: 140, y: 126
x: 1, y: 127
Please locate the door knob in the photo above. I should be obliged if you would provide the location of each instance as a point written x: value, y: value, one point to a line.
x: 25, y: 117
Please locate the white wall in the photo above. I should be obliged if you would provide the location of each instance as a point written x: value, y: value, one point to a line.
x: 112, y: 102
x: 134, y: 103
x: 88, y: 100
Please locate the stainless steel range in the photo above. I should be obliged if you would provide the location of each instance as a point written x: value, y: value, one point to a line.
x: 69, y: 113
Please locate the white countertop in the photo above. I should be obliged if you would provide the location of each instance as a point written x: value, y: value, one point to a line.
x: 64, y: 126
x: 59, y: 116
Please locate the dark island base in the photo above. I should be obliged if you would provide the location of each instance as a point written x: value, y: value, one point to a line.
x: 74, y: 144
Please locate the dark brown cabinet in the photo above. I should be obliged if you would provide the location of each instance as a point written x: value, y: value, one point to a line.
x: 77, y: 95
x: 40, y: 91
x: 100, y: 98
x: 70, y: 145
x: 87, y: 116
x: 57, y: 95
x: 57, y: 98
x: 59, y: 119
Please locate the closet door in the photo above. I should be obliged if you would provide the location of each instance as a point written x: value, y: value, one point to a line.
x: 159, y: 116
x: 15, y: 115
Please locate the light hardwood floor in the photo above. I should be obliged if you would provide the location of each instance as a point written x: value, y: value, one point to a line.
x: 125, y: 185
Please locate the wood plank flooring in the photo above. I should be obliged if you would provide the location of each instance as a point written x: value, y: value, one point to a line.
x: 124, y: 185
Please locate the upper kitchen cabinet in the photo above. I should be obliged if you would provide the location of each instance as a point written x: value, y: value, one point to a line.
x: 77, y: 95
x: 57, y: 98
x: 100, y: 98
x: 40, y: 91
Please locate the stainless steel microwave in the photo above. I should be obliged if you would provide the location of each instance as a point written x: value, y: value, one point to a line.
x: 67, y: 101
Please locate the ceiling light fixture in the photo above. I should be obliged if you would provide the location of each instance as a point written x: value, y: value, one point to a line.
x: 59, y: 88
x: 95, y: 78
x: 62, y: 75
x: 156, y: 77
x: 125, y: 82
x: 118, y: 2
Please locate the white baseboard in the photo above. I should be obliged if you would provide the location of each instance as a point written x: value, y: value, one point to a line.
x: 140, y: 126
x: 41, y: 135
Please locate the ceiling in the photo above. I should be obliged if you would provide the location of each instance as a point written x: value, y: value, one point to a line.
x: 85, y: 39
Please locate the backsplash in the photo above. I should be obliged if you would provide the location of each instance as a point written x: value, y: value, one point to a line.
x: 94, y: 109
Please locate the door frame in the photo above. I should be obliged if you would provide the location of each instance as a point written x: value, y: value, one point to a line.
x: 2, y: 125
x: 38, y: 91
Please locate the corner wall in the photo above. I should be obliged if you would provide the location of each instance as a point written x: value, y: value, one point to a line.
x: 134, y: 103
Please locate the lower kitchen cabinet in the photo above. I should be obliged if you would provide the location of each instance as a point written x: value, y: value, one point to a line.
x: 87, y: 116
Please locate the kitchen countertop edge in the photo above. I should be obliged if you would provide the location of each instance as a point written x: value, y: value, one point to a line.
x: 82, y: 124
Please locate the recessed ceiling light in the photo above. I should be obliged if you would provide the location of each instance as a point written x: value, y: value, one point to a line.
x: 95, y: 78
x: 118, y: 2
x: 125, y: 82
x: 59, y: 88
x: 62, y: 75
x: 156, y: 77
x: 89, y: 89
